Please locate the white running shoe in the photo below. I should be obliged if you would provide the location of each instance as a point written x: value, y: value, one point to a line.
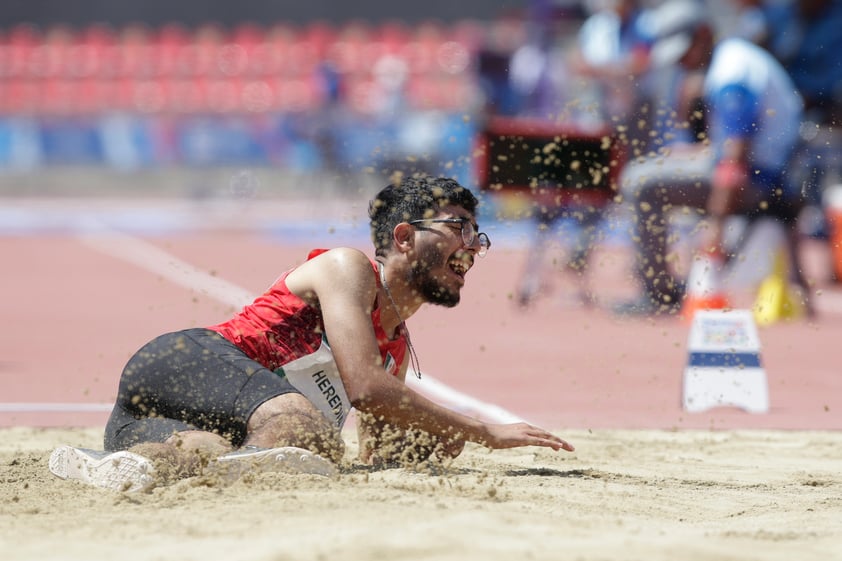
x: 287, y: 459
x: 118, y: 471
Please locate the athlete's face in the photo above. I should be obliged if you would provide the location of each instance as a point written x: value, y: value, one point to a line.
x: 442, y: 257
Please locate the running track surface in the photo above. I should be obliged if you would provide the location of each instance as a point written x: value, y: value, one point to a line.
x: 78, y: 300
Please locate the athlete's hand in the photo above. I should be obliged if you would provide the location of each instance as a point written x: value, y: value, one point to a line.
x: 449, y: 448
x: 523, y: 434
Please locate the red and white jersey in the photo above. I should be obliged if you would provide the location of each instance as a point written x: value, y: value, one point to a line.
x: 279, y: 328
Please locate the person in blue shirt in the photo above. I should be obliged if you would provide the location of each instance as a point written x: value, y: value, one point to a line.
x: 735, y: 164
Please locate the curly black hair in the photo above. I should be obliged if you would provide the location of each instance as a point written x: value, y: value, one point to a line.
x: 414, y: 198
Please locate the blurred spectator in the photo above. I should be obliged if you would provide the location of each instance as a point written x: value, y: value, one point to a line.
x: 331, y: 116
x: 611, y: 56
x: 805, y: 36
x: 501, y: 40
x: 753, y: 114
x: 539, y: 72
x: 550, y: 94
x: 752, y: 21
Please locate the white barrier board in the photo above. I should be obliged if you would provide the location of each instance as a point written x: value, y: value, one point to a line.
x: 723, y: 365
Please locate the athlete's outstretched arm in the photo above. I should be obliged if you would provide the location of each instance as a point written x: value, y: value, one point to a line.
x: 343, y: 283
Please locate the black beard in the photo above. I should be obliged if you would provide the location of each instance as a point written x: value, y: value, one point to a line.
x: 427, y: 285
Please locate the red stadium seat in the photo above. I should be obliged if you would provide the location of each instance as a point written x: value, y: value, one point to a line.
x: 446, y: 93
x: 271, y: 57
x: 420, y: 50
x: 231, y: 59
x: 135, y: 54
x: 319, y: 35
x: 249, y: 38
x: 202, y: 55
x: 297, y: 95
x: 268, y: 59
x: 248, y: 34
x: 22, y: 40
x: 56, y: 96
x: 19, y: 96
x: 74, y: 96
x: 347, y: 53
x: 224, y: 95
x: 187, y: 95
x: 144, y: 95
x: 90, y: 53
x: 469, y: 33
x: 302, y: 58
x: 251, y: 69
x: 48, y: 58
x: 258, y: 96
x: 363, y: 95
x: 167, y: 47
x: 453, y: 57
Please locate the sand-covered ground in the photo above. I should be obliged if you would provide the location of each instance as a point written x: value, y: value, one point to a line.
x: 722, y: 485
x: 648, y: 495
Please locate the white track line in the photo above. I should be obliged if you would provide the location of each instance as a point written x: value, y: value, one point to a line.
x: 151, y: 258
x: 155, y: 260
x: 460, y: 402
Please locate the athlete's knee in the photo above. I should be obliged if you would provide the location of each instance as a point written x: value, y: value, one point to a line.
x: 200, y: 442
x: 291, y: 420
x: 280, y: 405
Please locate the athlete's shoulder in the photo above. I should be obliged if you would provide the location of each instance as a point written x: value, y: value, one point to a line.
x: 338, y: 265
x: 340, y: 257
x: 336, y: 271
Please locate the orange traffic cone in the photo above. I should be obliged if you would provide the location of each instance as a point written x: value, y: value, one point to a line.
x: 704, y: 285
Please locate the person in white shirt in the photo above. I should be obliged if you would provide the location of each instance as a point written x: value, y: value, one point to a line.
x: 735, y: 162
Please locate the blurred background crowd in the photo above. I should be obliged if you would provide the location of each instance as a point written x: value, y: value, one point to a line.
x: 128, y: 88
x: 370, y: 86
x: 327, y: 93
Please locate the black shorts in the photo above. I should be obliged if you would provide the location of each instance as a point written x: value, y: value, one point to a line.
x: 189, y: 380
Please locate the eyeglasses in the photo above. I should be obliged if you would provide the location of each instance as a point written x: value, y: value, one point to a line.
x: 469, y: 232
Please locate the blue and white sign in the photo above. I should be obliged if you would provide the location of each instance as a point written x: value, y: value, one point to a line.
x: 723, y: 366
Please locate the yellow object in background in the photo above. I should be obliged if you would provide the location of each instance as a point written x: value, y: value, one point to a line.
x: 776, y: 298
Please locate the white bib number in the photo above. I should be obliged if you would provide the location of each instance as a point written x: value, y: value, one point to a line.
x: 316, y: 376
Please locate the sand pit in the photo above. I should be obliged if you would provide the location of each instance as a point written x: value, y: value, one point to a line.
x: 654, y: 495
x: 717, y: 486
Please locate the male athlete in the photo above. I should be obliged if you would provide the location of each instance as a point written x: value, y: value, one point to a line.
x: 271, y: 388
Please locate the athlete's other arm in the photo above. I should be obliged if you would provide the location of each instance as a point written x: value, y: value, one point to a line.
x: 735, y: 114
x: 343, y: 284
x: 384, y: 443
x: 730, y: 179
